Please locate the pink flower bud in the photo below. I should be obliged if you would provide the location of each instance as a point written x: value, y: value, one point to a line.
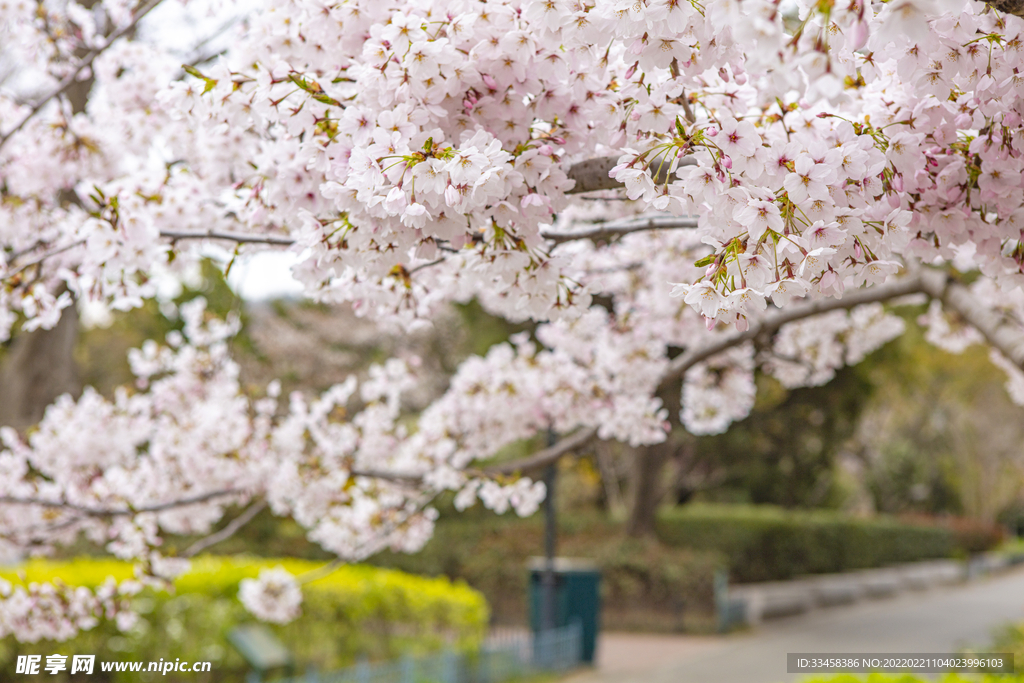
x: 711, y: 131
x: 451, y: 196
x: 858, y: 35
x: 897, y: 182
x: 1011, y: 119
x: 857, y: 251
x: 726, y: 161
x: 631, y: 70
x: 490, y: 82
x: 546, y: 150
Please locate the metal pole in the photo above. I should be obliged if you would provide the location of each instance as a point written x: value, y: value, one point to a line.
x: 550, y: 530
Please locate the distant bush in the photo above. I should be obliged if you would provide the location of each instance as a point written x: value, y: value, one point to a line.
x: 765, y: 543
x: 357, y: 610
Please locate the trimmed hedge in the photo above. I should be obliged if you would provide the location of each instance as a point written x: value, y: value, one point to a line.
x: 355, y: 611
x: 766, y: 543
x: 645, y: 585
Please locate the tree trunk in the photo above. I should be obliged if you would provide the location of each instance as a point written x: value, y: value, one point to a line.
x: 646, y: 490
x: 646, y: 487
x: 40, y: 366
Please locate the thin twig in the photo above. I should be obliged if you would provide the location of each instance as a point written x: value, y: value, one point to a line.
x: 240, y: 237
x: 227, y: 532
x: 337, y: 563
x: 427, y: 265
x: 608, y: 231
x: 42, y: 258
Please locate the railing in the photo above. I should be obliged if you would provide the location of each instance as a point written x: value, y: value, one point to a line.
x: 505, y: 658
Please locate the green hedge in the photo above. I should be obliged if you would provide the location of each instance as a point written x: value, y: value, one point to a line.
x: 645, y: 585
x: 764, y: 543
x: 355, y: 611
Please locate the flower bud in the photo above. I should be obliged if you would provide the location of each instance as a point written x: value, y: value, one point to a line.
x: 859, y: 35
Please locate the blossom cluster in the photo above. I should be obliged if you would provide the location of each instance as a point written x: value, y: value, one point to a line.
x: 412, y: 153
x: 55, y: 611
x: 273, y: 596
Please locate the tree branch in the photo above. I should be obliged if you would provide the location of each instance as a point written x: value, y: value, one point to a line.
x: 608, y: 231
x: 1015, y: 7
x: 771, y: 323
x: 119, y: 512
x: 998, y: 331
x: 41, y: 259
x: 545, y: 457
x: 228, y: 531
x: 907, y: 285
x: 592, y: 174
x: 86, y: 61
x: 240, y: 237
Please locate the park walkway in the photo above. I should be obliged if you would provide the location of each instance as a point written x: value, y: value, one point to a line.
x: 937, y: 620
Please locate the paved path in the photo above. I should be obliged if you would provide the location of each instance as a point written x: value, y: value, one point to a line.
x: 938, y: 620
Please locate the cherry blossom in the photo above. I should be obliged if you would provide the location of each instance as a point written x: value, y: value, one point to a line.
x: 718, y: 188
x: 274, y: 596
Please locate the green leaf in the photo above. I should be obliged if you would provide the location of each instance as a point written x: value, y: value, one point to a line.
x: 211, y: 83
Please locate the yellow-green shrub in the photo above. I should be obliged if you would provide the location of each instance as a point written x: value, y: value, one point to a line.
x: 354, y: 611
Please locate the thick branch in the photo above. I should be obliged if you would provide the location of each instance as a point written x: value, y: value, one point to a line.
x: 1009, y: 6
x: 771, y: 323
x: 1000, y: 333
x: 86, y: 62
x: 592, y: 174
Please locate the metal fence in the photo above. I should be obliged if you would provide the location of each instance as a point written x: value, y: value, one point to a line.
x: 504, y: 658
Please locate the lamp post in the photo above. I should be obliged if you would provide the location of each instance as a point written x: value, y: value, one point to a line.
x: 548, y: 616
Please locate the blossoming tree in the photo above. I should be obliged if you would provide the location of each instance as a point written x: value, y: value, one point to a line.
x: 675, y: 191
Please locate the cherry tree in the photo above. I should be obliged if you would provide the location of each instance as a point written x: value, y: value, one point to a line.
x: 677, y: 192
